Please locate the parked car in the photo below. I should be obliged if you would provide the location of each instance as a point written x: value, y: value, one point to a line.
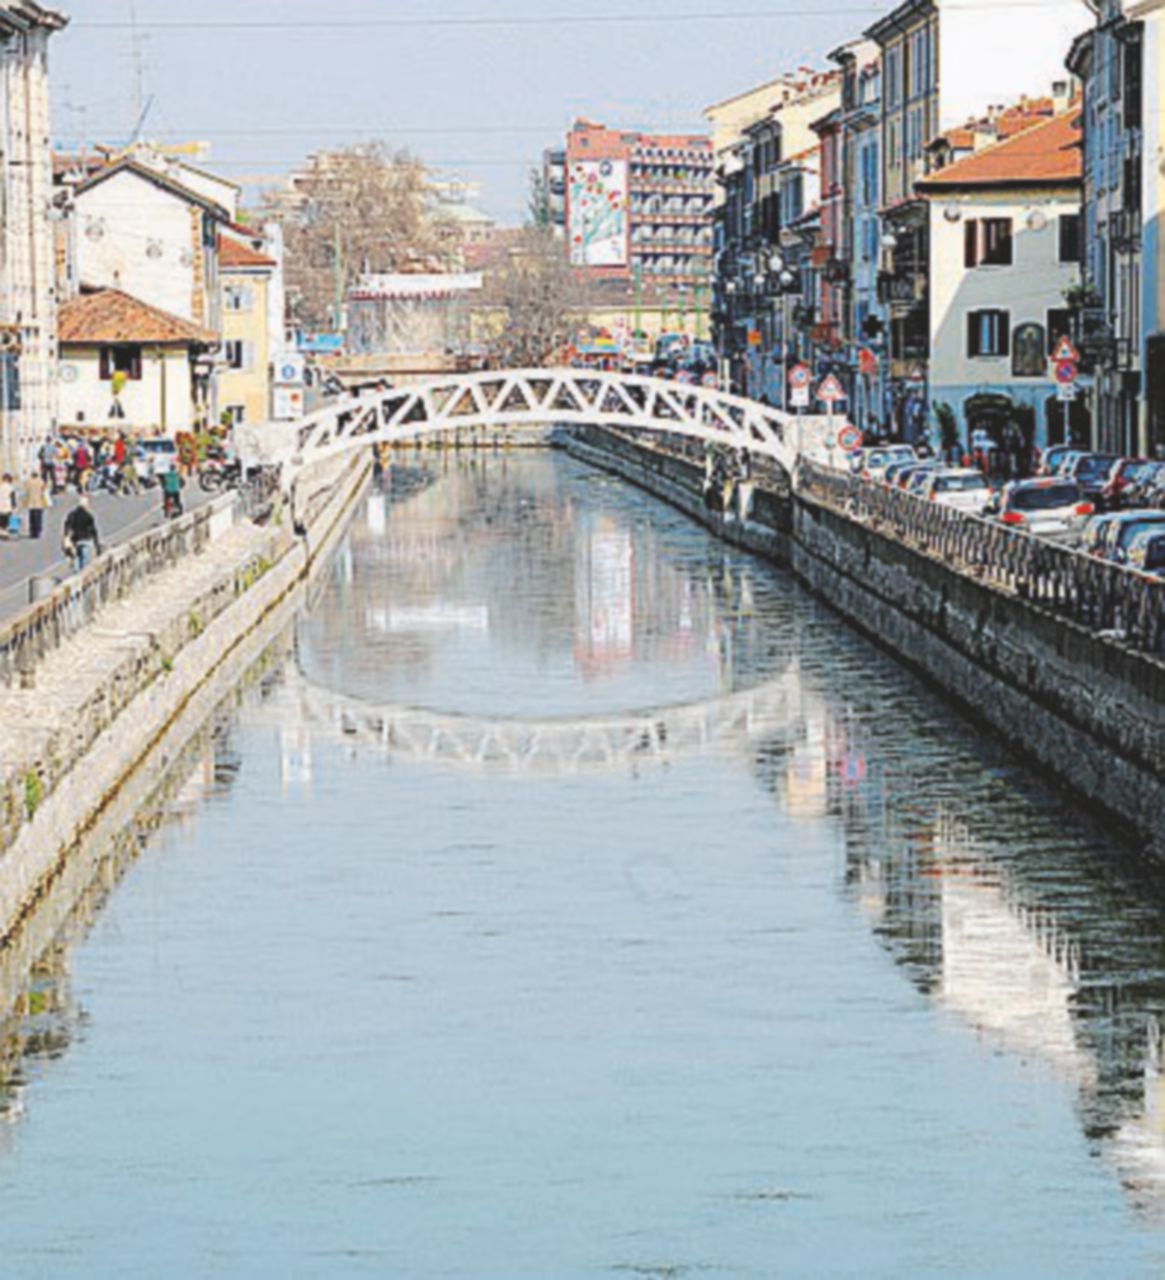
x: 1091, y: 472
x: 963, y: 489
x: 1120, y: 534
x: 904, y: 476
x: 1093, y: 533
x: 1066, y: 462
x: 1047, y: 507
x: 920, y: 477
x: 894, y: 471
x: 1147, y: 553
x: 1127, y: 473
x: 1052, y: 457
x: 876, y: 460
x: 154, y: 458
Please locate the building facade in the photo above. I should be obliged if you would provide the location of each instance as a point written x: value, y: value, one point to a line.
x: 1119, y: 322
x: 639, y: 206
x: 28, y: 298
x: 247, y: 275
x: 1005, y: 246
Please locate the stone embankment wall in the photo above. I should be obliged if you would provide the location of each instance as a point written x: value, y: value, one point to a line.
x: 1087, y: 709
x: 103, y: 701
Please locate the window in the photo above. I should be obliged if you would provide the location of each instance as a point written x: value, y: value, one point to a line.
x: 988, y: 242
x: 238, y: 354
x: 1059, y: 327
x: 239, y: 297
x: 1070, y: 246
x: 988, y: 333
x: 894, y: 76
x: 127, y: 360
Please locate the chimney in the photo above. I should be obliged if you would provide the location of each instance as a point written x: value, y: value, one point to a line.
x: 1061, y: 95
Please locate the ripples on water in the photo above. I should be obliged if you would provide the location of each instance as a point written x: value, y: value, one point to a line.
x: 575, y: 898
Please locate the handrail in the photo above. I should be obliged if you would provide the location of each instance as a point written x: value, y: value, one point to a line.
x: 1097, y: 594
x: 45, y: 625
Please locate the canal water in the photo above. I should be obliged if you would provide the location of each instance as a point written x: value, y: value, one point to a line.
x: 569, y: 895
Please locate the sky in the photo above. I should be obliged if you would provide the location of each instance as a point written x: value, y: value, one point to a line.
x: 478, y: 87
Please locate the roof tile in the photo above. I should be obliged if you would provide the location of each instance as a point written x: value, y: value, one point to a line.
x: 108, y: 317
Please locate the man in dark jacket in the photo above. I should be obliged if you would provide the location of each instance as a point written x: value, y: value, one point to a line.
x: 82, y: 540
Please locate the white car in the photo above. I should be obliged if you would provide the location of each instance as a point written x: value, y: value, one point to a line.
x: 961, y: 488
x: 1048, y: 508
x: 876, y: 460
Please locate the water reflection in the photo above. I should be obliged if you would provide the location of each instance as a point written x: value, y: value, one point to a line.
x: 537, y: 996
x: 1007, y: 908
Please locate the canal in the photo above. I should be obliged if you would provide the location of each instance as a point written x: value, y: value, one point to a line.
x: 570, y: 895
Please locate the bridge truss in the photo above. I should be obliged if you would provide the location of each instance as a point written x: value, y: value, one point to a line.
x: 530, y: 398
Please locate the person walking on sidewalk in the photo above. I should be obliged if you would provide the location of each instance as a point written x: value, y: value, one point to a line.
x: 36, y: 499
x: 82, y: 540
x: 9, y: 508
x: 172, y: 483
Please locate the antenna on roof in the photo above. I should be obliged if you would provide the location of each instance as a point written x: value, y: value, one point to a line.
x: 141, y: 104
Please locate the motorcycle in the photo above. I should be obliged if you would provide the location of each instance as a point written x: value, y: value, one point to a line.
x: 217, y: 475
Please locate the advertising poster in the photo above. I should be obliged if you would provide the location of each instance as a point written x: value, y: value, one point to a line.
x: 598, y: 213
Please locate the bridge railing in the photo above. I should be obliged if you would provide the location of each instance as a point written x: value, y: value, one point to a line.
x: 1097, y: 594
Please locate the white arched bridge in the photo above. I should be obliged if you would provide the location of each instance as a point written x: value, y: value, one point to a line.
x: 532, y: 398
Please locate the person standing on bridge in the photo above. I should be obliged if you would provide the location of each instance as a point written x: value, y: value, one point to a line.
x: 81, y: 541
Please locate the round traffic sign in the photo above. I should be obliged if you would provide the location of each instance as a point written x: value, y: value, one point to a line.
x: 799, y: 375
x: 1066, y: 373
x: 849, y: 438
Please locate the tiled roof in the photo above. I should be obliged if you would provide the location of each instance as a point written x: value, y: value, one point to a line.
x: 1048, y: 153
x: 234, y: 255
x: 108, y: 317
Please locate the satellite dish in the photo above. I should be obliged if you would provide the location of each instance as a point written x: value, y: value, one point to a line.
x: 1037, y: 220
x: 953, y: 213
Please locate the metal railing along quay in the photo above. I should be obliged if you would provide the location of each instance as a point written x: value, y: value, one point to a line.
x: 1104, y: 597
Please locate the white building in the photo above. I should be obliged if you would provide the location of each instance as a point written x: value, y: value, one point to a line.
x: 28, y: 305
x: 143, y: 232
x: 1005, y: 246
x: 129, y: 366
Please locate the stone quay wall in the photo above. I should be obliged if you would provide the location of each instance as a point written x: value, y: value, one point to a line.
x: 1086, y: 709
x: 72, y: 740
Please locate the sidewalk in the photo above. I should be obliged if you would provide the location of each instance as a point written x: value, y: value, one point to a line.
x: 118, y: 518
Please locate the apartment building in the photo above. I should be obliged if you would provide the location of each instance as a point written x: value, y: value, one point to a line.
x: 28, y: 298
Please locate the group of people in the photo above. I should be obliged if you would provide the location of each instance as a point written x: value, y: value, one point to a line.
x: 74, y: 462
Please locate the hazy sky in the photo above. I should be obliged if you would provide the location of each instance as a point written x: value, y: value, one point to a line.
x: 443, y: 77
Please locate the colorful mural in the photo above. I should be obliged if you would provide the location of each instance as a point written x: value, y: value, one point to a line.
x: 598, y: 213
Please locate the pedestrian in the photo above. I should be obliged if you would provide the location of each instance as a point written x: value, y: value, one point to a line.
x: 81, y: 539
x: 9, y: 508
x: 172, y: 483
x: 36, y: 499
x: 82, y: 463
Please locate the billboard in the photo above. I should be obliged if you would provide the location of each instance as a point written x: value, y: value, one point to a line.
x: 598, y: 213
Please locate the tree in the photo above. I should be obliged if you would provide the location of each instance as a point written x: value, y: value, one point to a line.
x: 538, y: 206
x: 350, y: 212
x: 533, y: 296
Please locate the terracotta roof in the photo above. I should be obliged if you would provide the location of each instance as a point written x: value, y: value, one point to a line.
x: 234, y: 255
x: 1048, y: 153
x: 108, y: 317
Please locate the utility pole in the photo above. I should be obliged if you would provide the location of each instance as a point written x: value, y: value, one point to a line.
x: 338, y: 264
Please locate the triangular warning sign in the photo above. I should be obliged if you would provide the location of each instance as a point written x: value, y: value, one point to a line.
x: 830, y: 390
x: 1065, y: 351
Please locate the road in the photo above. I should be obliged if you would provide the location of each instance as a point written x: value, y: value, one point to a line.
x: 117, y: 519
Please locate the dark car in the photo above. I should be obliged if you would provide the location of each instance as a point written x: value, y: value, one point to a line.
x: 1123, y: 479
x: 1147, y: 553
x: 1091, y: 472
x: 1123, y: 529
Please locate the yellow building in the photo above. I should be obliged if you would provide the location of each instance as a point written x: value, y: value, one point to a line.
x: 244, y: 383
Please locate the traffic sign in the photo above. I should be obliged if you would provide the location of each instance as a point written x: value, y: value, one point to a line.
x: 1066, y: 392
x: 830, y: 391
x: 1067, y: 372
x: 799, y: 375
x: 755, y: 338
x: 799, y: 398
x: 849, y: 438
x: 1065, y: 352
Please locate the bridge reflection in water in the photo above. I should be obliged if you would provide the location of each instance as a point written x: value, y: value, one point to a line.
x: 1022, y: 929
